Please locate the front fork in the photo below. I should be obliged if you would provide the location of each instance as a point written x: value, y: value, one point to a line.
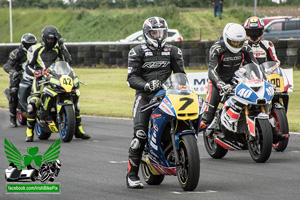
x: 251, y: 123
x: 174, y: 142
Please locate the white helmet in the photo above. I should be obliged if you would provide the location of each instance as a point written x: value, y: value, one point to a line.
x: 234, y: 36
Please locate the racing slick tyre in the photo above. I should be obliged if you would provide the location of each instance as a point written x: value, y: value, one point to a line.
x: 41, y: 134
x: 260, y: 147
x: 67, y: 125
x: 149, y: 177
x: 281, y: 120
x: 188, y: 170
x: 212, y: 147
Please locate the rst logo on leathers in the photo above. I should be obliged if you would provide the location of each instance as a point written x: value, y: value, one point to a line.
x: 156, y: 64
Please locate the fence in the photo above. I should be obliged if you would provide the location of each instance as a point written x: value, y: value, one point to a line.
x: 195, y: 53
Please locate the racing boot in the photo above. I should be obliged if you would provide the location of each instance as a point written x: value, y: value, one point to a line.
x: 29, y: 130
x: 278, y: 136
x: 79, y: 133
x: 132, y: 179
x: 13, y: 121
x: 29, y: 135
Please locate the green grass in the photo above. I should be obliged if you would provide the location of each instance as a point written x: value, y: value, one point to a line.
x: 107, y: 94
x: 116, y: 24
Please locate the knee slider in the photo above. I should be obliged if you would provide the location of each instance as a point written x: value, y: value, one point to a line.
x: 135, y: 144
x: 141, y: 134
x: 32, y: 101
x: 29, y: 108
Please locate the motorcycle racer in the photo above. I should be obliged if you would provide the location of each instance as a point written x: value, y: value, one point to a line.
x: 149, y: 65
x: 40, y: 58
x: 14, y: 68
x: 225, y: 57
x: 263, y: 50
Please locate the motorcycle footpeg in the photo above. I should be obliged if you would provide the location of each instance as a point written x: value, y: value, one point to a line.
x: 221, y: 135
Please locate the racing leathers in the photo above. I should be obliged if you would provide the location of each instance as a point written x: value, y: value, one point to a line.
x: 14, y: 68
x: 222, y: 65
x: 264, y: 51
x: 145, y: 66
x: 41, y: 58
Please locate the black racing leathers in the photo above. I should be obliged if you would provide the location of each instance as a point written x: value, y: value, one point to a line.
x: 39, y: 57
x: 222, y: 65
x: 145, y: 65
x: 14, y: 64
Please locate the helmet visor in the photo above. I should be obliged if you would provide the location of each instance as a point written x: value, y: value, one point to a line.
x: 157, y: 33
x: 254, y: 34
x: 235, y: 44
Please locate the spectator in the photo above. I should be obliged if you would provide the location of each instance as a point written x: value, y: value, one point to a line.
x: 217, y: 7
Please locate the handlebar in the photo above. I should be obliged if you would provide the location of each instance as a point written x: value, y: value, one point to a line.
x: 149, y: 105
x: 155, y: 102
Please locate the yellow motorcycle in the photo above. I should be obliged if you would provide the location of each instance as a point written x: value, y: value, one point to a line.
x: 56, y: 113
x: 278, y: 78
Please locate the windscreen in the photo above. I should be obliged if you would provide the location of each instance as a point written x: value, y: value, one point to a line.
x: 178, y: 84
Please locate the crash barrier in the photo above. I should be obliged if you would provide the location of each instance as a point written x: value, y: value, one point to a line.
x: 195, y: 53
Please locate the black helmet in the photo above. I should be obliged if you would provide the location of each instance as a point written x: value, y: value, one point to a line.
x: 254, y: 27
x: 50, y: 36
x: 155, y: 30
x: 27, y: 40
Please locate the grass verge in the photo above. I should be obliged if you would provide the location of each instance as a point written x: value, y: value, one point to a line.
x: 107, y: 94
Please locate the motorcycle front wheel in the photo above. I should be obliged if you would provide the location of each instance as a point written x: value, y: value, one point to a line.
x: 67, y: 125
x: 260, y: 147
x: 149, y: 177
x: 212, y: 147
x: 282, y: 126
x: 188, y: 170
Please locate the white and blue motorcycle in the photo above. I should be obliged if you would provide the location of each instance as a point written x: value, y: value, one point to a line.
x: 249, y: 129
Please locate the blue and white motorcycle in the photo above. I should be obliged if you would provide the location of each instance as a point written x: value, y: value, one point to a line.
x: 248, y: 129
x: 172, y: 134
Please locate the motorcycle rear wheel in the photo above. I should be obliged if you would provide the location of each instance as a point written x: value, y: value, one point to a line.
x: 67, y: 125
x: 41, y: 134
x: 149, y: 177
x: 212, y: 147
x: 21, y: 119
x: 282, y: 126
x: 188, y: 171
x: 261, y: 147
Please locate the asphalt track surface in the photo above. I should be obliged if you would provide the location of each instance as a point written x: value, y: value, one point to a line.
x: 96, y: 168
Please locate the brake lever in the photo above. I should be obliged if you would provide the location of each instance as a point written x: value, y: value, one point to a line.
x: 81, y: 82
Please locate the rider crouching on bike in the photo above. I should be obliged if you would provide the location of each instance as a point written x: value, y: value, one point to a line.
x: 15, y: 69
x: 263, y: 50
x: 149, y: 65
x: 40, y: 58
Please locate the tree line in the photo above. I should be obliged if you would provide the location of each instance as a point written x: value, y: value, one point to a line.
x: 96, y: 4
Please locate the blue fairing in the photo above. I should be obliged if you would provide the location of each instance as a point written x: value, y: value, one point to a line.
x: 246, y: 93
x: 269, y: 92
x: 158, y: 122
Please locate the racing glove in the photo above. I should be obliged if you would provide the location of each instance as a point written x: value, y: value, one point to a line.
x: 40, y: 73
x: 274, y: 68
x: 61, y: 44
x: 152, y: 86
x: 223, y: 87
